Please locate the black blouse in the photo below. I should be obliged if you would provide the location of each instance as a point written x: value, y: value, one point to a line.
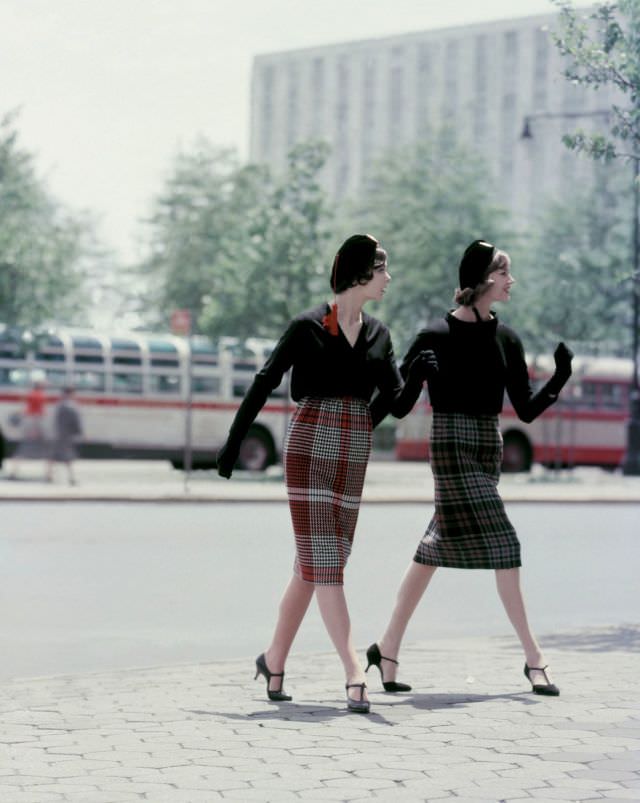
x: 325, y: 366
x: 477, y: 362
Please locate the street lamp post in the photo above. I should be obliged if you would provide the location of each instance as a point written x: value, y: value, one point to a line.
x: 631, y: 460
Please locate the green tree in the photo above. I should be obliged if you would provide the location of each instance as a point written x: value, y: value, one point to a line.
x: 45, y: 250
x: 603, y: 48
x: 425, y: 204
x: 288, y: 266
x: 572, y: 272
x: 188, y: 230
x: 237, y: 246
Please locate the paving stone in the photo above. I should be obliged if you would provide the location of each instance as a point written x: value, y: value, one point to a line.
x: 118, y: 736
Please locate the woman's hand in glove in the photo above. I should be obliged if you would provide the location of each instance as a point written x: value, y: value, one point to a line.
x: 562, y: 357
x: 226, y: 459
x: 424, y: 365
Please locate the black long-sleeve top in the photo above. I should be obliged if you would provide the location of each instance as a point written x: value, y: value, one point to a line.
x: 477, y: 362
x: 325, y: 365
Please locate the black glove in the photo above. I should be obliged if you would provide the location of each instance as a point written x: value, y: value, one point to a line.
x: 423, y: 366
x: 562, y: 357
x: 226, y: 459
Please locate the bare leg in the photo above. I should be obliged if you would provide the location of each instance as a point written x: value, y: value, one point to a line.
x: 413, y: 586
x: 508, y: 583
x: 335, y: 615
x: 293, y: 607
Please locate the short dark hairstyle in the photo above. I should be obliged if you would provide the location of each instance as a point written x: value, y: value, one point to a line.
x: 354, y: 262
x: 467, y: 296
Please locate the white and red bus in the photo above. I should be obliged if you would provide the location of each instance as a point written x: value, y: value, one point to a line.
x: 586, y: 426
x: 134, y: 390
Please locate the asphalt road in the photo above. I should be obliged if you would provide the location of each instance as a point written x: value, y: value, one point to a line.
x: 88, y: 587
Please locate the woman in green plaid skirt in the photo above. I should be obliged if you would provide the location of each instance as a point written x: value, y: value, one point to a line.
x: 478, y: 359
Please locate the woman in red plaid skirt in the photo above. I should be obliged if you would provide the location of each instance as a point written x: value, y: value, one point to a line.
x: 338, y: 355
x: 478, y: 359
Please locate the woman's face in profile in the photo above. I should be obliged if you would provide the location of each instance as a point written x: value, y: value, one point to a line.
x: 501, y: 281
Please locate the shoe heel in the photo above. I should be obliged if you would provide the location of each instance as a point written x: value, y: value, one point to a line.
x: 263, y: 669
x: 360, y: 706
x: 375, y: 658
x: 548, y: 689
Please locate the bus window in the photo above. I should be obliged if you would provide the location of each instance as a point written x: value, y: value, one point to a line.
x: 87, y: 349
x: 51, y: 350
x: 164, y: 383
x: 57, y: 379
x: 613, y: 396
x: 88, y: 381
x: 9, y: 346
x: 15, y: 377
x: 205, y: 384
x: 117, y: 359
x: 163, y: 354
x: 244, y: 359
x: 588, y: 396
x: 125, y: 352
x: 203, y: 351
x: 127, y: 383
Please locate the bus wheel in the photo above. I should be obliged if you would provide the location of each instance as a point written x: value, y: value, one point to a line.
x: 516, y: 454
x: 256, y: 452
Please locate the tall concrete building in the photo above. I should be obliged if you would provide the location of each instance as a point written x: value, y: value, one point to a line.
x: 485, y: 80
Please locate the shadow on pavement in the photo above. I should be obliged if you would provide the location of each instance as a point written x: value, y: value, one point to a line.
x: 290, y: 712
x: 622, y: 638
x: 435, y: 702
x: 625, y: 638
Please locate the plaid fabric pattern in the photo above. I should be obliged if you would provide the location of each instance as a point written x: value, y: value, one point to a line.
x: 325, y: 456
x: 470, y: 528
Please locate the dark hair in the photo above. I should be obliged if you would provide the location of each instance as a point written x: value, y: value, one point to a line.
x: 354, y: 262
x: 467, y: 296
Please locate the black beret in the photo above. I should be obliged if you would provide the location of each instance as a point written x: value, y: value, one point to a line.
x: 474, y: 263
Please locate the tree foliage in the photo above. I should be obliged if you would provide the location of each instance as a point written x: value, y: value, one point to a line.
x: 240, y: 248
x: 603, y: 48
x: 44, y: 249
x: 425, y: 204
x: 573, y: 276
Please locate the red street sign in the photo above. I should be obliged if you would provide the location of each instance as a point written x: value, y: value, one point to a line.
x: 181, y: 322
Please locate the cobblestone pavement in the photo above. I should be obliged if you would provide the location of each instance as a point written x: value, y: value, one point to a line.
x: 471, y: 730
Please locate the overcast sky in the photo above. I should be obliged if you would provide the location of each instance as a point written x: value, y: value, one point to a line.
x: 110, y: 90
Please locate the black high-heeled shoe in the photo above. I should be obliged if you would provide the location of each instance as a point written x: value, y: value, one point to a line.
x: 360, y: 706
x: 374, y: 657
x: 262, y: 669
x: 550, y: 689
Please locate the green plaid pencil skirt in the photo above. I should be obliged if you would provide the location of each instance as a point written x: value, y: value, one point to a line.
x: 470, y: 528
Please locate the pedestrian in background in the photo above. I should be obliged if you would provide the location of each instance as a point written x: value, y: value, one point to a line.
x: 32, y: 445
x: 67, y: 429
x: 478, y: 358
x: 339, y: 355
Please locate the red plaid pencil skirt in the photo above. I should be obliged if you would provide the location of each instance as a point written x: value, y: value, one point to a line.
x: 470, y: 528
x: 325, y: 457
